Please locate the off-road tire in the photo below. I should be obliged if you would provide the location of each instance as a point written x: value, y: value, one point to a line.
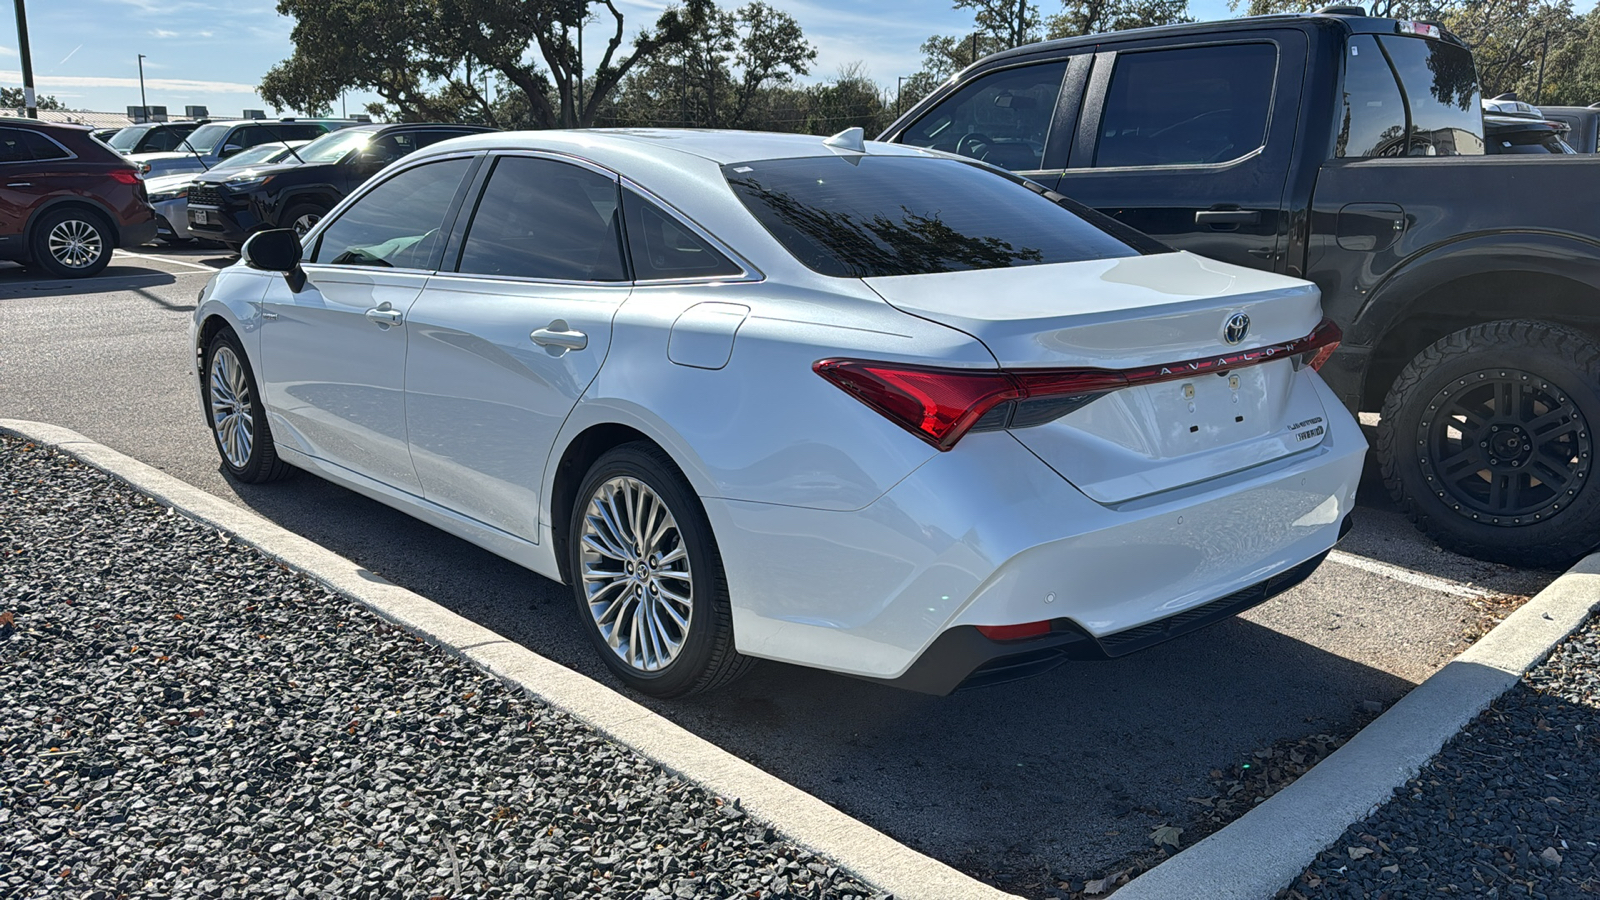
x: 1531, y: 359
x: 707, y: 659
x: 263, y: 464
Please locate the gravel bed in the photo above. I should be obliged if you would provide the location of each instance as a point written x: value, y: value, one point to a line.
x: 184, y: 717
x: 1509, y: 808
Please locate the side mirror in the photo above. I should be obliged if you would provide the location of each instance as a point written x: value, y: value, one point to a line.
x: 276, y: 250
x: 229, y: 150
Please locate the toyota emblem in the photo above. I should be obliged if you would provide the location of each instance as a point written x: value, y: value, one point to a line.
x: 1238, y: 325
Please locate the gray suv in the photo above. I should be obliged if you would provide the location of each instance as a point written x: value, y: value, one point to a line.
x: 213, y: 142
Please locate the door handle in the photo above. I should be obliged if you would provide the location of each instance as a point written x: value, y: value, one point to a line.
x: 20, y: 184
x: 385, y: 315
x: 1227, y: 217
x: 557, y: 335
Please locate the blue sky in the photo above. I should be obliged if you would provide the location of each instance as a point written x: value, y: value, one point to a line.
x: 214, y: 53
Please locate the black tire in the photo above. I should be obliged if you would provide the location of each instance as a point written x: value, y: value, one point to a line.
x: 64, y: 236
x: 1486, y: 442
x: 312, y: 211
x: 260, y: 464
x: 706, y: 658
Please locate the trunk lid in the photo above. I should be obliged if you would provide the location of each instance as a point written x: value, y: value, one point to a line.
x: 1132, y: 313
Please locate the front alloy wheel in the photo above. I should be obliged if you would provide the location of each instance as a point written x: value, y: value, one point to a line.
x: 648, y: 578
x: 234, y: 413
x: 1486, y: 442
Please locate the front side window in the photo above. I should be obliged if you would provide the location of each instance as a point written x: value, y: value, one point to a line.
x: 862, y: 217
x: 663, y: 247
x: 541, y: 218
x: 1441, y: 87
x: 1373, y: 120
x: 396, y: 224
x: 1002, y: 118
x: 1190, y: 106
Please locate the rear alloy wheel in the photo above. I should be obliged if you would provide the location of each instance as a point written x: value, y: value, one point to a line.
x: 1487, y: 442
x: 647, y: 576
x: 71, y: 243
x: 233, y: 410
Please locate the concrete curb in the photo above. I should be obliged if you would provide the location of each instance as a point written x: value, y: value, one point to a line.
x: 1264, y: 850
x: 866, y: 852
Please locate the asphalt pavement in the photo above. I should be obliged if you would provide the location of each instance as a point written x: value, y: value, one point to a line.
x: 1028, y: 784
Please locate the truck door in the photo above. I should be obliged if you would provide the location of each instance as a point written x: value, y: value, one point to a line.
x: 1192, y: 144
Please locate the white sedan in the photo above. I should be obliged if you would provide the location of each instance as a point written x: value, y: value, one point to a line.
x: 844, y: 404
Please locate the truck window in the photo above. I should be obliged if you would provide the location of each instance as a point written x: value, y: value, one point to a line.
x: 1374, y: 117
x: 1002, y: 118
x: 1190, y: 106
x: 1441, y: 89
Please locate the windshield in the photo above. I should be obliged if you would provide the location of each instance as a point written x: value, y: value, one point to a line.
x: 255, y: 156
x: 128, y: 137
x: 205, y: 138
x: 863, y: 217
x: 333, y: 146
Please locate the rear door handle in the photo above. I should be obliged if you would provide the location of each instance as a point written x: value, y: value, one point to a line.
x: 557, y: 335
x: 385, y: 315
x: 1227, y: 217
x: 20, y: 184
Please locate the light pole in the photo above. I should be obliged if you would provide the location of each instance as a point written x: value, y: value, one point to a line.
x: 144, y: 108
x: 27, y: 61
x: 899, y: 86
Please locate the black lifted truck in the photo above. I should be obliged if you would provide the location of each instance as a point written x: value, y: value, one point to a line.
x: 1347, y: 150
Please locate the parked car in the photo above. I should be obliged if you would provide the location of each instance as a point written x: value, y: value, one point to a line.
x: 229, y: 206
x: 1512, y: 126
x: 169, y: 194
x: 854, y: 406
x: 1350, y: 151
x: 103, y: 135
x: 67, y: 200
x: 152, y: 137
x: 212, y: 143
x: 1583, y: 122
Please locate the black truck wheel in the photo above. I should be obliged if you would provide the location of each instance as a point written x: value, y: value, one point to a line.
x: 1487, y: 442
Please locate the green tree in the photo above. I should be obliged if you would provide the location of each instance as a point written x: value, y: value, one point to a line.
x: 425, y: 58
x: 1079, y: 17
x: 1011, y: 23
x: 12, y: 98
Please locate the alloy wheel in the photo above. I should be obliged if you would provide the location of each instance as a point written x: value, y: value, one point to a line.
x: 232, y: 413
x: 636, y: 576
x: 305, y: 223
x: 75, y: 243
x: 1504, y: 447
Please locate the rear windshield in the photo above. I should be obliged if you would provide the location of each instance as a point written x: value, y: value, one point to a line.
x: 870, y: 216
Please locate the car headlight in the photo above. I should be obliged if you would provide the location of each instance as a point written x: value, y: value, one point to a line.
x: 247, y: 179
x: 174, y: 194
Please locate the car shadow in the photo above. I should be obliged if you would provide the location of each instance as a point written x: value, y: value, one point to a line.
x: 1051, y: 777
x: 16, y: 280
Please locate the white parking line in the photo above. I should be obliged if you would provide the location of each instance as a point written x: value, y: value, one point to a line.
x: 167, y: 259
x: 1409, y: 576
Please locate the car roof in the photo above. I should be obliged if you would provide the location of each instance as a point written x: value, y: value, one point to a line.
x: 628, y: 144
x: 66, y: 127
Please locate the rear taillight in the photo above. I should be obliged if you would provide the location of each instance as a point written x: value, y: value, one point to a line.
x: 126, y: 176
x: 941, y: 405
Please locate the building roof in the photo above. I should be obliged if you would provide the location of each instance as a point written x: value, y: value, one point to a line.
x: 74, y: 117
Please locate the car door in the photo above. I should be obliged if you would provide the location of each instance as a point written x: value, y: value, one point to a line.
x: 333, y: 353
x: 1192, y: 144
x: 1019, y: 118
x: 503, y: 346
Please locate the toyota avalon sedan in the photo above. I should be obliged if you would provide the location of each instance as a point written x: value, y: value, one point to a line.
x: 849, y: 405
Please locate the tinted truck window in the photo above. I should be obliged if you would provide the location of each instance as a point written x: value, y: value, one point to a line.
x: 1190, y: 106
x: 1441, y: 87
x: 1374, y: 116
x: 863, y: 217
x: 1002, y: 118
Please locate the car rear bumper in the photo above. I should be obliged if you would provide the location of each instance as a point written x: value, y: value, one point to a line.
x: 987, y: 535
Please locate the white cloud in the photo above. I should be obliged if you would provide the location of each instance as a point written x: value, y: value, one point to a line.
x: 8, y: 51
x: 164, y: 84
x: 164, y: 33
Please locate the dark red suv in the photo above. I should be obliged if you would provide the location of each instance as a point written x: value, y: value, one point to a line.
x: 66, y: 200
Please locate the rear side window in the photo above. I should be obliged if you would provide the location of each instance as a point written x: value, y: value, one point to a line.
x: 1374, y: 117
x: 540, y: 218
x: 19, y: 145
x: 662, y: 247
x: 396, y: 224
x: 861, y: 217
x: 1002, y: 118
x: 1190, y: 106
x: 1441, y: 88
